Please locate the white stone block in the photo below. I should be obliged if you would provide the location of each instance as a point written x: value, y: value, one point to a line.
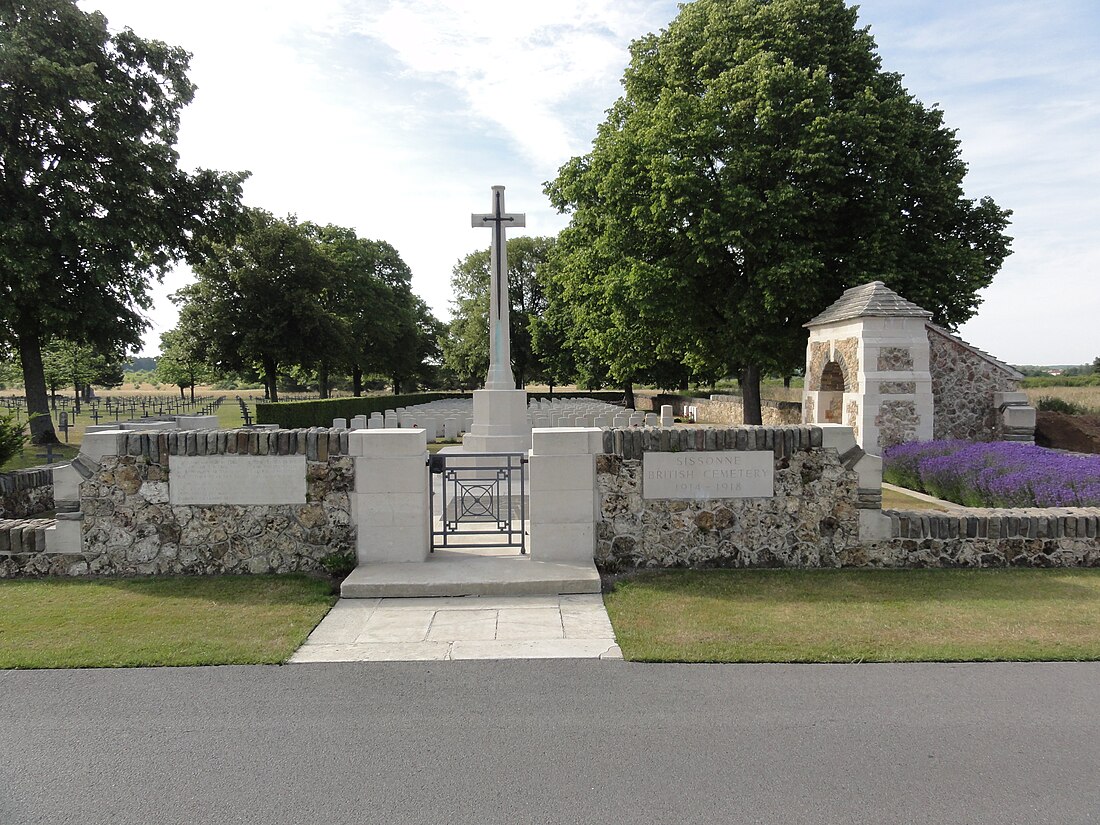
x: 64, y: 537
x: 66, y: 483
x: 1011, y: 398
x: 197, y: 422
x: 651, y: 419
x: 667, y: 418
x: 874, y: 526
x: 568, y: 543
x: 397, y: 474
x: 563, y: 506
x: 387, y: 442
x: 869, y: 471
x: 393, y: 543
x: 359, y: 422
x: 237, y: 479
x: 554, y: 473
x: 838, y: 436
x: 339, y: 423
x: 572, y: 441
x: 96, y: 445
x: 391, y: 509
x: 1019, y: 417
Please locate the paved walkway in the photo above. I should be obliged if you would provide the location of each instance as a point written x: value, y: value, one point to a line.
x: 463, y: 627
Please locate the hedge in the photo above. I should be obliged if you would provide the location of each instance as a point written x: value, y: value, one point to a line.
x: 294, y: 414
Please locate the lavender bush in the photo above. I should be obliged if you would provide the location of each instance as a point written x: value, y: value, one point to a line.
x: 994, y: 474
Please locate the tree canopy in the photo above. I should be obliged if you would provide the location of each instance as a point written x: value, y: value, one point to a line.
x: 94, y: 203
x: 759, y: 162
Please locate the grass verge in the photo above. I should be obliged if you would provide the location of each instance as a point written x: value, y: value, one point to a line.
x: 893, y: 500
x: 173, y: 620
x: 858, y: 615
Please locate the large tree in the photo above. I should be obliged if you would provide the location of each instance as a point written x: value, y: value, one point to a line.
x: 759, y: 162
x: 261, y: 300
x: 93, y: 202
x: 466, y: 345
x: 181, y: 360
x: 372, y: 295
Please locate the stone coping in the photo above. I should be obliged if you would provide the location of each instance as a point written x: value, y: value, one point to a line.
x: 26, y: 535
x: 632, y: 443
x: 977, y: 522
x: 315, y: 443
x: 26, y: 479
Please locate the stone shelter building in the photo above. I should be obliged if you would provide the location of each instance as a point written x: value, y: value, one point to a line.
x: 876, y: 363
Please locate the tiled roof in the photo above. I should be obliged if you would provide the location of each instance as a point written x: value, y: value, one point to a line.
x: 875, y: 299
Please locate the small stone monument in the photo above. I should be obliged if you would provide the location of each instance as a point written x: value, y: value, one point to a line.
x: 500, y: 410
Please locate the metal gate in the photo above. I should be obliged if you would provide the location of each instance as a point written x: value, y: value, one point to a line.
x: 481, y: 495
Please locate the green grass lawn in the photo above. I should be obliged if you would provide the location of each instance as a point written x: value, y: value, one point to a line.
x: 858, y: 616
x: 178, y: 620
x: 893, y: 500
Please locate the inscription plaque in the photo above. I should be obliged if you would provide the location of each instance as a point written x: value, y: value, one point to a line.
x: 727, y: 474
x: 237, y: 479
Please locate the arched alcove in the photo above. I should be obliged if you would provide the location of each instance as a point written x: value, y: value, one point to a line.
x: 830, y: 403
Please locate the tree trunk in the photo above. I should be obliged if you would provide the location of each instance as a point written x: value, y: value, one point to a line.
x: 322, y: 380
x: 182, y: 396
x: 34, y: 382
x: 749, y: 379
x: 628, y: 395
x: 357, y: 381
x: 76, y: 399
x: 269, y: 379
x: 551, y: 385
x: 786, y: 382
x: 192, y: 392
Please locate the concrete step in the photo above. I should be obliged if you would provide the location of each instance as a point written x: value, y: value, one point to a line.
x: 454, y: 573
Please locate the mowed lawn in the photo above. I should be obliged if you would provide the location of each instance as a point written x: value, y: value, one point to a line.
x: 858, y: 616
x: 200, y: 620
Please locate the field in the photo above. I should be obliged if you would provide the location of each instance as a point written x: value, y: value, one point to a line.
x: 229, y: 416
x: 1088, y: 397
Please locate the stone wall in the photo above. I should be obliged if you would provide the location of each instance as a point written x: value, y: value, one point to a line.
x: 963, y: 384
x: 976, y: 537
x: 129, y: 525
x: 26, y: 492
x: 730, y: 410
x: 811, y: 518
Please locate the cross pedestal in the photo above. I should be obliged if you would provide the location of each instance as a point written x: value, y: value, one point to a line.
x: 500, y: 410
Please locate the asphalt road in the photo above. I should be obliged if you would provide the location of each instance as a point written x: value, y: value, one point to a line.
x: 552, y: 741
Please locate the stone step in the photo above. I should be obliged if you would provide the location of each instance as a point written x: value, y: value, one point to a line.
x: 454, y: 573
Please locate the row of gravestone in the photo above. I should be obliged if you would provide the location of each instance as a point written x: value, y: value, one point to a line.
x: 448, y: 418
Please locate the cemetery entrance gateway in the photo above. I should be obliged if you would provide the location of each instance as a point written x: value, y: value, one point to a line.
x: 481, y: 501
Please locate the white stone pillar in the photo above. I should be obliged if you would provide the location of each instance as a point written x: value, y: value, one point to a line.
x: 390, y: 503
x: 563, y: 494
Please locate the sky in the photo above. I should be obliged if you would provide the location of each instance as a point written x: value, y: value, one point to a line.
x: 395, y: 117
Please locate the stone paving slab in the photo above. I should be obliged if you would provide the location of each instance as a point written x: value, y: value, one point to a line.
x: 468, y: 627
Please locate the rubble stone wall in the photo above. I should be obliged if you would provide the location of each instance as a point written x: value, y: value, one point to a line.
x: 128, y: 525
x: 730, y: 410
x: 963, y: 384
x: 26, y: 492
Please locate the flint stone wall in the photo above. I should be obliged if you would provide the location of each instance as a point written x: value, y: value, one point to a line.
x: 807, y: 523
x: 730, y: 410
x: 980, y: 537
x: 963, y: 384
x: 129, y: 527
x: 26, y: 492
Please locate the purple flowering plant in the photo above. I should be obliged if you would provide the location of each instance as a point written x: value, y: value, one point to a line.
x: 994, y: 473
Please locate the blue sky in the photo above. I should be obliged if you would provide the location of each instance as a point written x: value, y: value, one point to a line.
x: 396, y: 116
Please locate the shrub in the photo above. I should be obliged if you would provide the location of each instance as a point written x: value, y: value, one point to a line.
x: 995, y: 474
x: 1048, y: 403
x: 12, y: 438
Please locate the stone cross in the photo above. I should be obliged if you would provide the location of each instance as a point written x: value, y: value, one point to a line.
x: 500, y: 346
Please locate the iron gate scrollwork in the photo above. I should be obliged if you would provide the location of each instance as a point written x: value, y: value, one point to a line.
x: 481, y: 494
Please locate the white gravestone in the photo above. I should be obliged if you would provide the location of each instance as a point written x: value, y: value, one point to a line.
x: 713, y: 475
x: 237, y: 479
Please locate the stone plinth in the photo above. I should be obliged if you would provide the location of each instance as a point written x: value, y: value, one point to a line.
x: 500, y: 423
x: 391, y: 495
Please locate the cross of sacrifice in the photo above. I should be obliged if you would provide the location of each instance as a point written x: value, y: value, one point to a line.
x: 500, y: 356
